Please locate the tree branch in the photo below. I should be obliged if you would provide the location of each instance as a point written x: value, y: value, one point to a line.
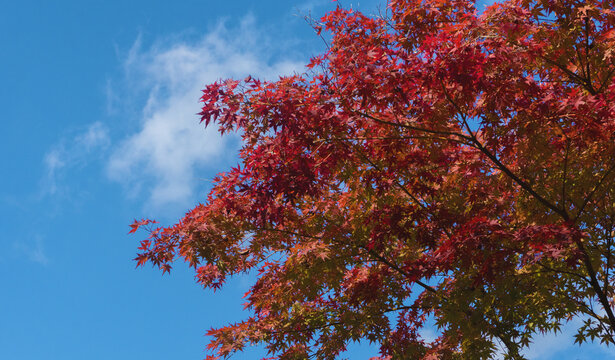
x: 592, y: 192
x: 416, y: 128
x: 478, y: 145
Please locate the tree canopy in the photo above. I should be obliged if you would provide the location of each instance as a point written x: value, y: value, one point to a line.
x: 435, y: 165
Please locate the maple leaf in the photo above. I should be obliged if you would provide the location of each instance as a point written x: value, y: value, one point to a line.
x: 139, y: 223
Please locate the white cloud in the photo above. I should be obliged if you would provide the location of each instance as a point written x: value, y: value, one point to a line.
x: 75, y: 151
x: 170, y: 146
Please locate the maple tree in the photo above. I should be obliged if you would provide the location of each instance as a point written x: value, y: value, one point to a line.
x: 436, y: 165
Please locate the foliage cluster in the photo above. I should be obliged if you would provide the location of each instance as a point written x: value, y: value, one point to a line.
x: 434, y: 163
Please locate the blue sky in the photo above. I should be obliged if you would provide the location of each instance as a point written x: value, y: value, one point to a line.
x: 98, y: 109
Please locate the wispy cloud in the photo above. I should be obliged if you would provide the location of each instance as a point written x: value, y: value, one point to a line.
x: 53, y: 163
x: 96, y: 136
x: 73, y: 152
x: 311, y: 5
x: 170, y: 146
x: 33, y: 250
